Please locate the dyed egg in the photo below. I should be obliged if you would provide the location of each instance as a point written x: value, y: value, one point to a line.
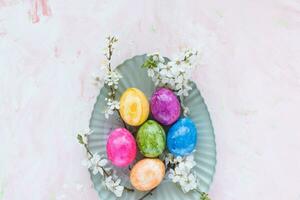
x: 121, y: 147
x: 147, y: 174
x: 134, y: 107
x: 182, y: 137
x: 151, y: 139
x: 165, y: 106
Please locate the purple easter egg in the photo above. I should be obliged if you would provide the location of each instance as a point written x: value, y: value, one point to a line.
x: 165, y: 106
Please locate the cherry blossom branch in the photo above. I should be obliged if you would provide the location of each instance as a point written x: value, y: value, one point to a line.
x: 112, y: 80
x: 96, y: 164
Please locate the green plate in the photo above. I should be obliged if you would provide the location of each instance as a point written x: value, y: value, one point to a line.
x: 205, y: 156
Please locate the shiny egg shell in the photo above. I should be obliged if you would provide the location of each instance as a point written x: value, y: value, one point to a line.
x: 121, y: 147
x: 147, y: 174
x: 165, y: 106
x: 151, y: 139
x: 182, y: 137
x: 134, y: 107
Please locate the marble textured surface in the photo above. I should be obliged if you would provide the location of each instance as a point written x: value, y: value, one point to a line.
x: 249, y: 77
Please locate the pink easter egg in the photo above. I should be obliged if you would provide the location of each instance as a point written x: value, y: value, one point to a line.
x: 121, y: 147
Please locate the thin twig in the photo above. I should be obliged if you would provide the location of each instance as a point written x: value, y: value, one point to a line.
x: 88, y: 151
x: 147, y: 194
x: 128, y: 189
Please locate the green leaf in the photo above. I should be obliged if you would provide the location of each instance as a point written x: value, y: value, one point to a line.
x: 204, y: 196
x: 150, y: 63
x: 79, y: 138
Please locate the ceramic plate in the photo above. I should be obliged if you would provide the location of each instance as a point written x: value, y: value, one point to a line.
x: 205, y: 156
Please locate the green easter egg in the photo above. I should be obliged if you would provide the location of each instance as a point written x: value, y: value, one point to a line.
x: 151, y: 139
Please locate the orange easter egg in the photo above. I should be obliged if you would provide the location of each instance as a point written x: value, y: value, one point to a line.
x: 147, y: 174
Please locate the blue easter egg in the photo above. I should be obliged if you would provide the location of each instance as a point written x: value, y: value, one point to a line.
x: 182, y: 137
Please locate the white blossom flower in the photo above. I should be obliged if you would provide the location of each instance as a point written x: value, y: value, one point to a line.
x: 190, y: 183
x: 112, y: 105
x: 189, y: 162
x: 112, y: 78
x: 182, y: 174
x: 156, y: 57
x: 96, y: 163
x: 114, y: 186
x: 151, y: 73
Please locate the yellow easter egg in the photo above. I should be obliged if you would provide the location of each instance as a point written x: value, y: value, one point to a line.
x: 147, y: 174
x: 134, y: 107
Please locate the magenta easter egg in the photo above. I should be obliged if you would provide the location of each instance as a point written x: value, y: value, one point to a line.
x: 165, y: 106
x: 121, y: 147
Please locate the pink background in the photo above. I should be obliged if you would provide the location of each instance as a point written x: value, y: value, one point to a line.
x: 249, y: 77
